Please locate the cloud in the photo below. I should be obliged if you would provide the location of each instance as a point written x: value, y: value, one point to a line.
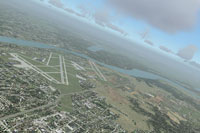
x: 168, y: 15
x: 115, y: 28
x: 195, y: 64
x: 69, y: 10
x: 84, y: 10
x: 149, y: 42
x: 144, y: 34
x: 188, y: 52
x: 59, y: 4
x: 103, y: 18
x: 165, y: 49
x: 56, y: 3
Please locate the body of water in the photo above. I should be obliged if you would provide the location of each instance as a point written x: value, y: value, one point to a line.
x: 134, y: 72
x: 95, y: 48
x: 198, y: 89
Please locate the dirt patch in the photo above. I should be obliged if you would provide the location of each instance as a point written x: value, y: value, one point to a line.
x: 175, y: 117
x: 115, y: 96
x: 157, y: 100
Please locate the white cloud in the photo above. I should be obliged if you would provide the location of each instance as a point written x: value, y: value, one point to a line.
x: 149, y: 42
x: 165, y: 49
x: 56, y: 3
x: 103, y: 18
x: 188, y: 52
x: 168, y: 15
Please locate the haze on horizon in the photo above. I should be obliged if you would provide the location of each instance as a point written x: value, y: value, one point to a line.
x: 172, y: 24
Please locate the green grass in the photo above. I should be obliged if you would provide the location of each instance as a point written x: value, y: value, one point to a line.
x: 6, y: 58
x: 54, y: 62
x: 33, y: 62
x: 185, y: 110
x: 66, y: 104
x: 55, y: 76
x: 49, y: 69
x: 71, y: 88
x: 74, y: 86
x: 55, y: 55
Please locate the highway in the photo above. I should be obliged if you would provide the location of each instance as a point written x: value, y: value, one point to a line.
x: 26, y: 111
x: 40, y: 107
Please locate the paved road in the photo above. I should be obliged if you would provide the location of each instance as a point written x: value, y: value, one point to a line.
x: 61, y: 70
x: 34, y: 109
x: 49, y: 59
x: 66, y: 78
x: 26, y: 111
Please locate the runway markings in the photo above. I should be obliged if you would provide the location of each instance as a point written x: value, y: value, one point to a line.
x: 49, y: 59
x: 61, y: 70
x: 65, y: 71
x: 48, y: 77
x: 97, y: 71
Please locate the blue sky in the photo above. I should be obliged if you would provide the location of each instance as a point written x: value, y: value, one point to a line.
x: 134, y: 26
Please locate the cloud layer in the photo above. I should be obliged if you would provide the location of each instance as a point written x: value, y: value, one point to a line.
x: 168, y: 15
x: 103, y: 18
x: 56, y: 3
x: 149, y: 42
x: 165, y: 49
x: 188, y: 52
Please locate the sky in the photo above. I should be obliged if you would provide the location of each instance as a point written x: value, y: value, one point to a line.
x: 172, y: 26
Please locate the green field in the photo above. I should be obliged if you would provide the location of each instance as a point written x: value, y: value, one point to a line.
x: 55, y: 76
x: 49, y: 69
x: 33, y: 62
x: 54, y: 55
x: 65, y: 103
x: 54, y: 62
